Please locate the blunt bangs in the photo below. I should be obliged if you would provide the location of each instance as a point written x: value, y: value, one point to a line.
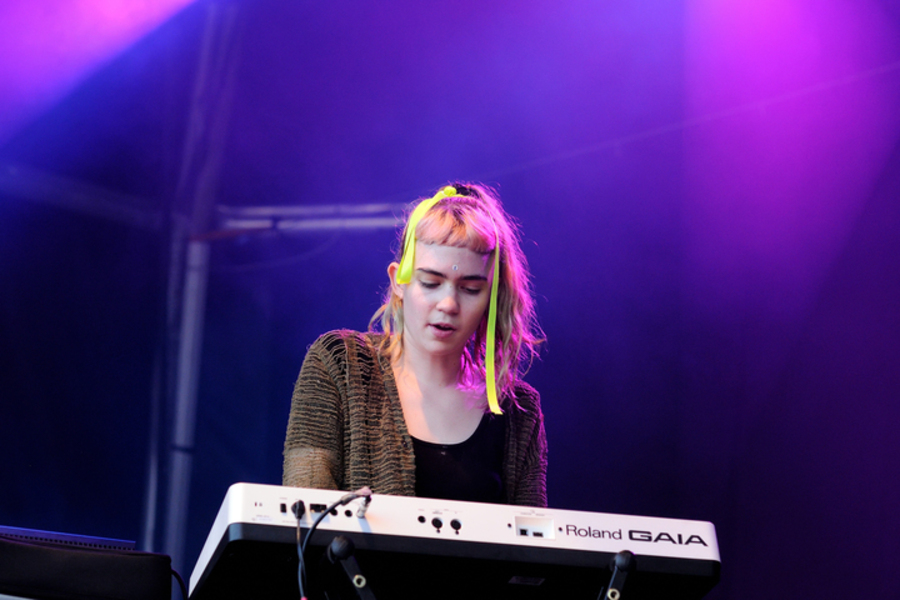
x: 456, y: 222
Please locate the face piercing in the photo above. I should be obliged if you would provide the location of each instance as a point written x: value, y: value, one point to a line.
x: 456, y: 267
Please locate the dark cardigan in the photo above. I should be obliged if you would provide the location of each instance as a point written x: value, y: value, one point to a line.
x: 346, y: 428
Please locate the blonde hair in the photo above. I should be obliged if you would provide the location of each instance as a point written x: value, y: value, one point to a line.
x: 475, y: 219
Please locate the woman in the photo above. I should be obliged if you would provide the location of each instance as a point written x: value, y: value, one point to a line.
x: 432, y: 405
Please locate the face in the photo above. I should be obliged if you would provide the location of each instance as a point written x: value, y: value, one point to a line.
x: 446, y: 299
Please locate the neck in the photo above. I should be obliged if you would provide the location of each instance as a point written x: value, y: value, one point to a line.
x: 430, y: 371
x: 429, y: 384
x: 437, y: 378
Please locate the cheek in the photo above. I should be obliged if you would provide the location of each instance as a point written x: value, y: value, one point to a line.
x: 477, y: 307
x: 415, y: 302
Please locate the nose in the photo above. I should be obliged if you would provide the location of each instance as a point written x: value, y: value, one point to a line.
x: 449, y: 303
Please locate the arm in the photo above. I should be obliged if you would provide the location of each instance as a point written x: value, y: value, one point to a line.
x: 531, y: 463
x: 532, y: 488
x: 313, y: 446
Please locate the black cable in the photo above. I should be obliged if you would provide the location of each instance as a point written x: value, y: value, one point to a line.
x: 299, y: 511
x: 320, y: 518
x: 180, y: 580
x: 364, y: 492
x: 301, y: 567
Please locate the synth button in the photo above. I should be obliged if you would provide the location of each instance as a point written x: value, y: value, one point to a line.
x: 437, y: 523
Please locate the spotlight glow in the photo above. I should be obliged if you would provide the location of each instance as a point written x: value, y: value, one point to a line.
x: 775, y: 188
x: 48, y: 46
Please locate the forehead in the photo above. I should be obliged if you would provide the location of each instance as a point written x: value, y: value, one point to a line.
x: 457, y: 224
x: 439, y: 257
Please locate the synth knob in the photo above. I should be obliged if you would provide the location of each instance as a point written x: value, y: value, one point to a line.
x: 437, y: 523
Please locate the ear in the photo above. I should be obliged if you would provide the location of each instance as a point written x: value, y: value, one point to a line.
x: 397, y: 288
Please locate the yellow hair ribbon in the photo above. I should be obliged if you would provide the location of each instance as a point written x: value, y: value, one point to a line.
x: 491, y: 343
x: 405, y: 272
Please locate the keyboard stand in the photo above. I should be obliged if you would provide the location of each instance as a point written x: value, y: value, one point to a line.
x: 340, y: 554
x: 621, y: 563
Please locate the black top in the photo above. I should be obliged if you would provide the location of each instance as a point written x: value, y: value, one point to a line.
x: 470, y: 470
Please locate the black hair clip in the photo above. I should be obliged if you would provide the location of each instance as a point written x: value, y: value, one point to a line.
x: 464, y: 190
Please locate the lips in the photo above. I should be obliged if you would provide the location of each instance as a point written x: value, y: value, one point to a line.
x: 442, y: 330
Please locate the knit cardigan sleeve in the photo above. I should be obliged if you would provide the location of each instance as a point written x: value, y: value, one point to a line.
x: 346, y: 427
x: 313, y: 445
x: 526, y: 450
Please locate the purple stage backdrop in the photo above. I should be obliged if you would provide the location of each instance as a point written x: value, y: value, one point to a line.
x: 710, y: 199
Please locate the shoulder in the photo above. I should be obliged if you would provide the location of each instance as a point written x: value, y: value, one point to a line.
x: 344, y: 348
x: 347, y: 341
x: 526, y: 401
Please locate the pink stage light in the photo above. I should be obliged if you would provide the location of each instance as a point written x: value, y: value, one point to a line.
x: 47, y: 47
x: 797, y: 102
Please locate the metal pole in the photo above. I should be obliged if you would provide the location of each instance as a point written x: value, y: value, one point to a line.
x: 195, y: 196
x: 187, y: 375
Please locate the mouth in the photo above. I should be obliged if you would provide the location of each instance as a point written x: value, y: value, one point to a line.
x: 443, y: 327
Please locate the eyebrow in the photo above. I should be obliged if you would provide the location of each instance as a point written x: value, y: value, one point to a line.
x: 464, y: 277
